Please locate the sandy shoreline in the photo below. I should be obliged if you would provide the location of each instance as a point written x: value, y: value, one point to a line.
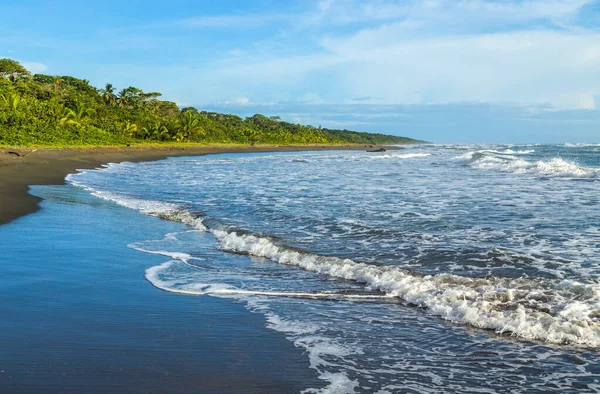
x: 47, y: 166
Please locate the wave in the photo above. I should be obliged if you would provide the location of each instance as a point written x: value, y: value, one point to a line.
x: 199, y: 289
x: 401, y: 156
x: 472, y: 155
x: 517, y: 152
x: 505, y: 162
x: 555, y: 167
x: 159, y: 209
x: 580, y: 145
x: 563, y: 312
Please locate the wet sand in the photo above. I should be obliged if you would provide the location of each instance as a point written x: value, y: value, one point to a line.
x: 51, y: 166
x: 80, y: 317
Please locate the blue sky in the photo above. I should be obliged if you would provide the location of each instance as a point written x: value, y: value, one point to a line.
x: 440, y: 70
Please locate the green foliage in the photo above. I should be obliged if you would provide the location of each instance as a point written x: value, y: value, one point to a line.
x: 12, y: 70
x: 63, y: 110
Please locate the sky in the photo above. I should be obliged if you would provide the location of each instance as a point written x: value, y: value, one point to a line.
x: 463, y: 71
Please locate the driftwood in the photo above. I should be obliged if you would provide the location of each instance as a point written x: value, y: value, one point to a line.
x: 10, y: 152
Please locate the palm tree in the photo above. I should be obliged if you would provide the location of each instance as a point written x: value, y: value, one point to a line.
x: 57, y: 81
x: 252, y: 135
x: 13, y: 100
x: 129, y: 128
x: 157, y: 131
x: 108, y: 94
x: 131, y: 96
x: 179, y: 136
x: 123, y: 98
x: 144, y: 133
x: 75, y: 117
x: 190, y: 124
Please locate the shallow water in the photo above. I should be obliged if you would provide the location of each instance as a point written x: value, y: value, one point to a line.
x: 78, y: 316
x: 434, y: 268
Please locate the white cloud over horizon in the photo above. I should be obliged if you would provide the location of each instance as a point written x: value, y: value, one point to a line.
x: 427, y: 51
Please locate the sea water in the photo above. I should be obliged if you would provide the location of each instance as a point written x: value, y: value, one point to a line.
x: 436, y: 268
x: 77, y: 315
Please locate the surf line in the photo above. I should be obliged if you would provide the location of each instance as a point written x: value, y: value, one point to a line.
x: 278, y: 294
x: 150, y: 272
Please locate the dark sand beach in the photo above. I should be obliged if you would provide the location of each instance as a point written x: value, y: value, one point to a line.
x: 45, y: 166
x: 78, y: 315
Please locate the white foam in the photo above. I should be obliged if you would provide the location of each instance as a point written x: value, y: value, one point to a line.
x: 555, y: 167
x: 338, y: 383
x: 158, y: 209
x: 517, y: 152
x: 401, y: 156
x: 468, y: 156
x: 305, y: 335
x: 500, y: 161
x: 153, y: 275
x: 580, y: 145
x: 521, y: 307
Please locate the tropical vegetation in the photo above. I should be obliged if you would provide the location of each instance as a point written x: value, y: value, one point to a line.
x: 63, y: 110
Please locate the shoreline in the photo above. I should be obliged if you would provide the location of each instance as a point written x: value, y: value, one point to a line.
x: 50, y: 166
x: 79, y: 316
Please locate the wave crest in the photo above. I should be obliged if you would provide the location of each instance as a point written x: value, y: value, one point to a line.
x: 504, y: 162
x: 522, y: 307
x: 555, y: 312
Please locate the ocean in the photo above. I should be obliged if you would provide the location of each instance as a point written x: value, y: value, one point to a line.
x: 434, y: 268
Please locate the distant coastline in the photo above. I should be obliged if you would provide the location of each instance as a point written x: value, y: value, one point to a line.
x: 59, y: 111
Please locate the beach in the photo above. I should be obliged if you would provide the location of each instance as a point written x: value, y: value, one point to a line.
x: 323, y: 271
x: 78, y: 314
x: 203, y: 344
x: 47, y: 166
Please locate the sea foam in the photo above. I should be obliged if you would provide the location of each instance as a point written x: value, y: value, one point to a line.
x: 506, y: 162
x: 564, y: 313
x: 524, y: 308
x: 538, y: 309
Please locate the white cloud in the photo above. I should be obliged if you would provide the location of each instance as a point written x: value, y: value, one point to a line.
x: 311, y: 98
x: 34, y: 68
x: 524, y: 67
x: 242, y: 21
x: 328, y: 13
x: 449, y: 11
x: 586, y: 101
x: 411, y: 52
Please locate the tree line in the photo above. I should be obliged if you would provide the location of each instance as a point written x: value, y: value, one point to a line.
x: 63, y: 110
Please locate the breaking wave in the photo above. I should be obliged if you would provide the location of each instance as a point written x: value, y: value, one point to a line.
x: 562, y: 313
x: 554, y: 311
x: 153, y: 274
x: 163, y: 210
x: 506, y: 162
x: 401, y: 156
